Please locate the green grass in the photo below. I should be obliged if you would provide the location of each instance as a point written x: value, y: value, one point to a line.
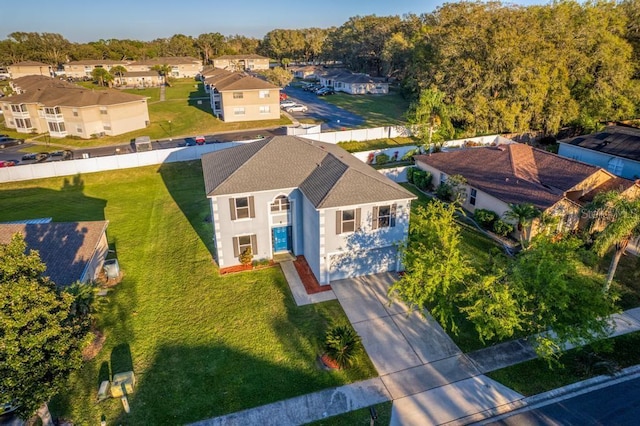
x: 626, y: 282
x: 357, y: 146
x: 377, y: 110
x: 201, y: 345
x: 359, y: 417
x: 188, y: 113
x: 534, y: 377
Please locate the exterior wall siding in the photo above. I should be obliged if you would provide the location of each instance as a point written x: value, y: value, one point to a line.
x: 630, y: 168
x: 251, y: 102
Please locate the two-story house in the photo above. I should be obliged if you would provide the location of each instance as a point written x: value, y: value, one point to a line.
x: 289, y: 194
x: 515, y: 173
x: 616, y: 149
x: 180, y: 66
x: 64, y: 109
x: 236, y: 96
x: 248, y: 62
x: 26, y: 68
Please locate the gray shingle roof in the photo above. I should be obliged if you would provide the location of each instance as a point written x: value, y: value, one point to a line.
x: 619, y: 141
x: 65, y: 247
x: 325, y: 173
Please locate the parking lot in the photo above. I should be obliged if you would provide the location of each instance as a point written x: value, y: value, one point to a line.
x: 333, y: 117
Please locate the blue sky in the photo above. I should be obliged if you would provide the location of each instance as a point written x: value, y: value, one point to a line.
x: 83, y: 21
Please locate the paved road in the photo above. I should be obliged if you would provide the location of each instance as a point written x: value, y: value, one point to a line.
x: 333, y: 117
x: 618, y: 404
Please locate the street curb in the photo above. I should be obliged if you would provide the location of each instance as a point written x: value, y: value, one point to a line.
x: 549, y: 397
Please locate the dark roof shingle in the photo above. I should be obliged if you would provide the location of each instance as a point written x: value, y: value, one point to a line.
x: 619, y: 141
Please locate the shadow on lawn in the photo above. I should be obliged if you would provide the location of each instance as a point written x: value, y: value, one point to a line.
x: 187, y: 384
x: 185, y: 183
x: 198, y: 98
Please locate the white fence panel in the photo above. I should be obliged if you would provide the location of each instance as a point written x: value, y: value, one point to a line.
x: 396, y: 174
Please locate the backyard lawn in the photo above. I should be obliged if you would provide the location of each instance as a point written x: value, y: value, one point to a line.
x: 201, y: 345
x: 186, y: 106
x: 377, y: 110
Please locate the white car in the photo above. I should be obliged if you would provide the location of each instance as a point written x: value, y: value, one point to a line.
x: 297, y: 108
x: 286, y: 104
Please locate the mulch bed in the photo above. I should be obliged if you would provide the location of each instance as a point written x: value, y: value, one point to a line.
x: 237, y: 268
x: 309, y: 280
x: 92, y: 350
x: 329, y: 363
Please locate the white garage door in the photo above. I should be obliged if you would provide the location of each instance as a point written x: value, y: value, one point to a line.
x: 363, y: 263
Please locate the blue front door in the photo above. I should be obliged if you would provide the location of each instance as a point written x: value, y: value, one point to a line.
x: 281, y: 238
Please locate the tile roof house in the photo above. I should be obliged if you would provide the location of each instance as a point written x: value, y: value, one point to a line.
x: 617, y: 149
x: 248, y: 62
x: 288, y: 194
x: 236, y: 96
x: 63, y: 109
x: 516, y: 173
x: 26, y: 68
x: 342, y: 80
x: 72, y: 251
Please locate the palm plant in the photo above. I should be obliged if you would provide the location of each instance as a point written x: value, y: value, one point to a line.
x: 163, y: 70
x: 431, y: 114
x: 342, y: 344
x: 523, y: 214
x: 118, y: 71
x: 622, y: 225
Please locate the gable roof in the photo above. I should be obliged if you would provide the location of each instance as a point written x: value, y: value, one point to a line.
x: 224, y: 80
x: 53, y: 92
x: 240, y: 57
x: 29, y: 64
x: 168, y: 60
x: 97, y: 62
x: 615, y: 140
x: 514, y: 173
x: 325, y: 173
x: 65, y: 247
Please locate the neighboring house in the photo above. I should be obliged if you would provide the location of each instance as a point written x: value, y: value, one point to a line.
x: 140, y: 79
x: 84, y: 68
x: 249, y: 62
x: 355, y: 84
x: 516, y: 174
x: 26, y: 68
x: 291, y: 195
x: 617, y: 150
x: 309, y: 72
x: 236, y: 96
x: 72, y: 251
x: 181, y: 66
x: 64, y: 109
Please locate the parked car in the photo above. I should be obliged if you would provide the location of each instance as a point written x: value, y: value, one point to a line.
x: 325, y: 91
x: 57, y: 153
x: 189, y: 142
x: 200, y: 140
x: 286, y: 104
x: 7, y: 163
x: 6, y: 141
x: 42, y: 156
x: 28, y: 157
x: 283, y: 96
x: 297, y: 108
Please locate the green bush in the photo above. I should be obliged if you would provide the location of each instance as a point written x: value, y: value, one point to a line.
x: 246, y: 256
x: 382, y: 158
x: 422, y: 179
x: 502, y: 228
x: 342, y: 344
x: 485, y: 218
x: 410, y: 172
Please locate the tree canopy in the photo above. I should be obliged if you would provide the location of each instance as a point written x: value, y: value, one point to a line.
x: 41, y: 339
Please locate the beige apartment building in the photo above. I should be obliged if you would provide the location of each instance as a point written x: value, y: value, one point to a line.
x: 25, y: 68
x: 47, y: 105
x: 249, y: 62
x: 236, y: 96
x: 181, y: 67
x: 81, y: 69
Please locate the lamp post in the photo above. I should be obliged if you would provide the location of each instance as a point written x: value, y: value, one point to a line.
x: 170, y: 132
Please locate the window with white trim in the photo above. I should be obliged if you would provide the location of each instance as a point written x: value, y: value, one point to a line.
x: 473, y: 196
x: 265, y: 109
x: 347, y: 220
x: 264, y: 94
x: 384, y: 216
x: 103, y: 111
x: 23, y: 123
x: 280, y: 204
x: 238, y: 95
x: 615, y: 166
x: 243, y: 242
x: 241, y: 208
x: 57, y: 127
x: 238, y: 111
x: 75, y: 112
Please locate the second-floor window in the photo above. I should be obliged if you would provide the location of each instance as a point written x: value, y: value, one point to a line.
x: 347, y: 220
x: 103, y: 111
x: 242, y: 208
x: 52, y: 111
x: 264, y: 94
x: 384, y: 216
x: 238, y: 95
x: 280, y: 204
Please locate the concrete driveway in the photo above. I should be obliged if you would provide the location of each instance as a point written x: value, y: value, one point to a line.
x: 334, y: 117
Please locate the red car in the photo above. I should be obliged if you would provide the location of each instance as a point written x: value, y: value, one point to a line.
x: 283, y: 96
x: 200, y: 140
x: 7, y: 163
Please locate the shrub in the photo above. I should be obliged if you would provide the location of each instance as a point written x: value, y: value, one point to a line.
x: 485, y: 218
x: 410, y: 173
x: 444, y: 192
x: 382, y: 158
x: 502, y: 228
x: 422, y: 179
x: 342, y: 344
x: 408, y: 156
x: 246, y: 256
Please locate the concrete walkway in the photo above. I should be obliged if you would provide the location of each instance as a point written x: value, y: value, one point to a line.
x: 297, y: 288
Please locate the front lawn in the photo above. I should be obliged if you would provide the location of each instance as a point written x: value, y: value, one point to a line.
x: 377, y: 110
x: 201, y: 345
x: 186, y: 107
